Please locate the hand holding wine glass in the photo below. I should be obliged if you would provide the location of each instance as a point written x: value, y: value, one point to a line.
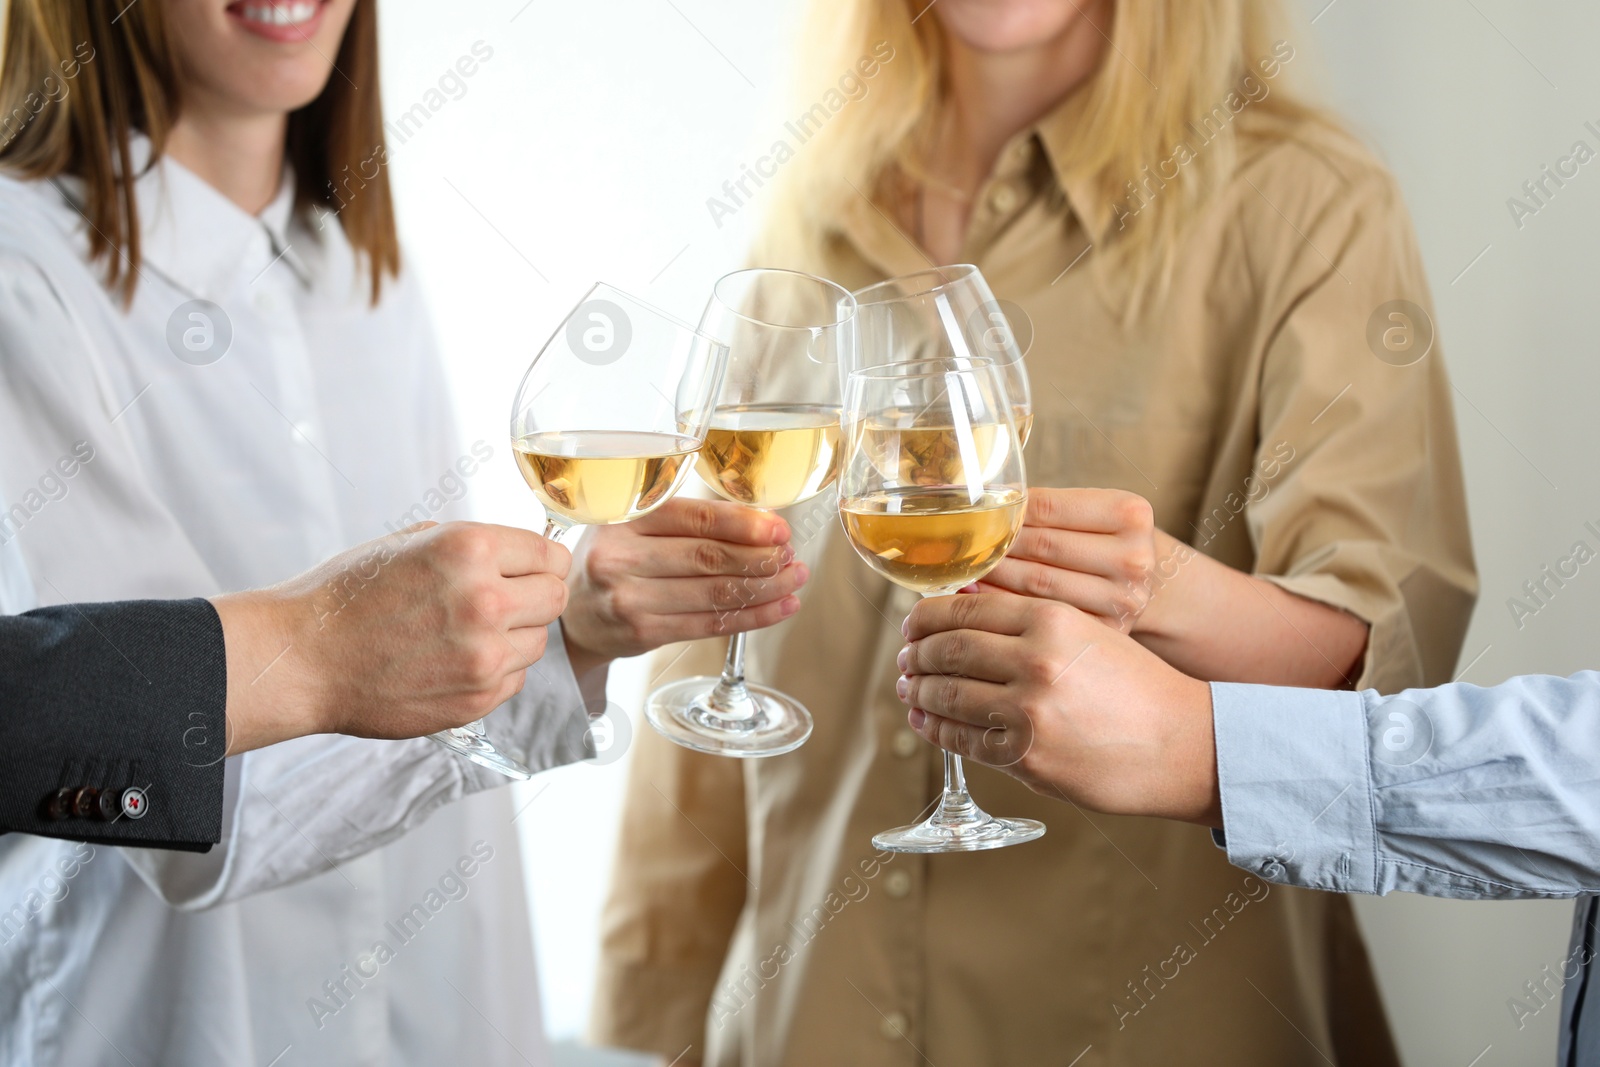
x: 689, y: 570
x: 773, y: 442
x: 1095, y: 549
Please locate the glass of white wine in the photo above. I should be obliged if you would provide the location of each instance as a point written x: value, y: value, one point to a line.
x: 773, y: 442
x: 931, y: 493
x: 605, y: 427
x: 945, y: 313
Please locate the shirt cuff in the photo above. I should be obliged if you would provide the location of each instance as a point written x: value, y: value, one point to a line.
x: 547, y: 724
x: 1295, y: 784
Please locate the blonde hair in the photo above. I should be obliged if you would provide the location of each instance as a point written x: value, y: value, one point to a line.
x: 78, y: 77
x: 1168, y: 64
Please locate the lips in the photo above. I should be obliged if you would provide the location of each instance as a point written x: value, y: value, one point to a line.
x: 291, y: 21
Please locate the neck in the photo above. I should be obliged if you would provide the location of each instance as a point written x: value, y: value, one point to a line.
x: 993, y: 96
x: 240, y: 157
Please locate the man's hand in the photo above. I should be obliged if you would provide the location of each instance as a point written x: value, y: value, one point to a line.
x: 1060, y: 701
x: 689, y: 569
x: 426, y: 629
x: 1092, y: 548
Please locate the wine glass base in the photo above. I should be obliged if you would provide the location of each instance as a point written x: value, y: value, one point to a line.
x: 681, y: 712
x: 967, y: 835
x: 481, y: 750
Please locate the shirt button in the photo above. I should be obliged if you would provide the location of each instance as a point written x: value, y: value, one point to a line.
x: 895, y: 1025
x: 1272, y: 869
x: 1003, y: 198
x: 897, y: 884
x: 1022, y: 151
x: 905, y: 743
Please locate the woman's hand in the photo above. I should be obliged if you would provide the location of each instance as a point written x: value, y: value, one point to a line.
x: 1056, y: 699
x: 1094, y: 549
x: 689, y: 569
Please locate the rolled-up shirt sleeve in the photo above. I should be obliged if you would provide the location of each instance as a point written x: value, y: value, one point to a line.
x: 1459, y: 791
x: 1367, y: 512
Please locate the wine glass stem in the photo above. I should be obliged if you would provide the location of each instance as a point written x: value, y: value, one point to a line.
x: 955, y: 805
x: 731, y: 698
x: 553, y: 529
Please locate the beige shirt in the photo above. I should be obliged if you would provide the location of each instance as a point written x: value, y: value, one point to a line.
x: 751, y: 919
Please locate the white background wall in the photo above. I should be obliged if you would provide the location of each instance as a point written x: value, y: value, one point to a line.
x: 586, y: 147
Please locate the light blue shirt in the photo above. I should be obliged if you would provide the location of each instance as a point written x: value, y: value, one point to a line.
x: 1458, y: 791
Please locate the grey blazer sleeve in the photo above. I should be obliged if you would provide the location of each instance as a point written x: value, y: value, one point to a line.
x: 112, y: 720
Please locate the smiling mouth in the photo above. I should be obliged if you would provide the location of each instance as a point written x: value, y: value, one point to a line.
x: 295, y: 13
x: 278, y: 20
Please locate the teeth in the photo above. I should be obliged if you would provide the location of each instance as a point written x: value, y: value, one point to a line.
x: 290, y: 14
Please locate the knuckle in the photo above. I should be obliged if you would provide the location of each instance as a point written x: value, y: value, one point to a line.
x: 964, y: 611
x: 1040, y: 582
x: 710, y: 557
x: 482, y: 662
x: 725, y: 595
x: 1134, y: 511
x: 605, y: 562
x: 467, y: 544
x: 949, y: 688
x: 956, y: 650
x: 701, y: 518
x: 492, y: 602
x: 1038, y: 666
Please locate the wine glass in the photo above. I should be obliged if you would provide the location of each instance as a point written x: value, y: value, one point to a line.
x: 773, y: 442
x: 932, y: 493
x: 943, y: 313
x: 605, y: 427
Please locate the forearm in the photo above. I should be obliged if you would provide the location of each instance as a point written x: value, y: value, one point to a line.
x: 1219, y: 624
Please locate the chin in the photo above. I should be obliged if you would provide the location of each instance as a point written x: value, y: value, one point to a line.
x: 1000, y: 26
x: 259, y: 55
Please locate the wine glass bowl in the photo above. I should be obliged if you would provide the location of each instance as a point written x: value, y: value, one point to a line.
x: 946, y: 312
x: 612, y: 411
x: 932, y: 492
x: 772, y: 442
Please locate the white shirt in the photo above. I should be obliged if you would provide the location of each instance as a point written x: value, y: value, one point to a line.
x: 325, y: 421
x: 16, y: 591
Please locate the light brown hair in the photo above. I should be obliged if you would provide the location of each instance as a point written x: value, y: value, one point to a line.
x: 116, y: 72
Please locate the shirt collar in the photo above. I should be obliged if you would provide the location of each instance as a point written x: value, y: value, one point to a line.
x: 194, y: 236
x: 1058, y: 132
x: 881, y: 240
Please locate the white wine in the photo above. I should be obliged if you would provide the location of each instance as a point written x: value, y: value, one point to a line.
x: 933, y: 540
x: 771, y: 455
x: 598, y: 477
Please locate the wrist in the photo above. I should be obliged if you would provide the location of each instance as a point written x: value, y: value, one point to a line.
x: 273, y: 691
x: 1190, y: 763
x: 1162, y: 618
